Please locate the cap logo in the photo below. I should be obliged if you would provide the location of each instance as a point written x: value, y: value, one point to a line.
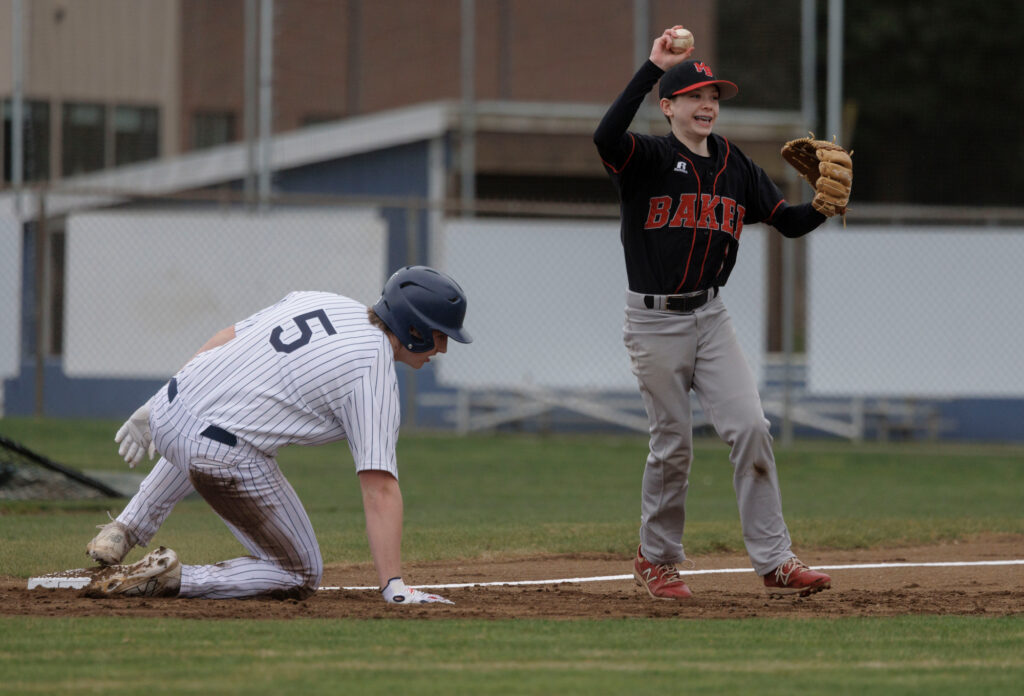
x: 701, y: 67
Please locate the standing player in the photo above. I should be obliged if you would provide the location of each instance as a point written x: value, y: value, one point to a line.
x: 313, y: 368
x: 685, y: 197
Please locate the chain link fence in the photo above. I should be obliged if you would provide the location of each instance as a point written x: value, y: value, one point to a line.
x: 902, y: 324
x: 911, y: 330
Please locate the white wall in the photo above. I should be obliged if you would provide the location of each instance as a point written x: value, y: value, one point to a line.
x: 145, y: 290
x: 546, y: 303
x: 931, y: 312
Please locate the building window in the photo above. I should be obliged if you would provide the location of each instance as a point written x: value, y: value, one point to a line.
x: 83, y: 129
x: 211, y: 128
x: 136, y: 134
x: 35, y: 120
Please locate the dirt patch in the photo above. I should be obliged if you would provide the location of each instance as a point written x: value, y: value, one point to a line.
x: 992, y: 590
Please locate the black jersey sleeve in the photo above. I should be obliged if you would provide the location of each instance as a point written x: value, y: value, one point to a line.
x: 795, y: 220
x: 614, y: 143
x: 766, y: 204
x: 763, y: 197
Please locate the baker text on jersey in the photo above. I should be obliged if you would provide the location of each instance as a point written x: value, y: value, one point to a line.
x: 717, y: 213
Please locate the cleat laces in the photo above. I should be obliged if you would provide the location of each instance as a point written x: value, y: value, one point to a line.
x: 112, y: 519
x: 785, y: 571
x: 669, y: 573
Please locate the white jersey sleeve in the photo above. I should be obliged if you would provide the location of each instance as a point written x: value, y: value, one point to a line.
x: 371, y: 416
x: 308, y: 370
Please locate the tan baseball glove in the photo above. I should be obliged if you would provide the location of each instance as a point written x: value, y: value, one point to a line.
x: 827, y: 167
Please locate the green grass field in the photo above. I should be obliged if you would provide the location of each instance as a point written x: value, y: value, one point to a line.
x: 511, y: 495
x: 914, y: 655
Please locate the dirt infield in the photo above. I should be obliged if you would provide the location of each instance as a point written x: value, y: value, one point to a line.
x: 996, y: 590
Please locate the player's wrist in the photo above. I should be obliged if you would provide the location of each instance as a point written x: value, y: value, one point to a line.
x: 395, y: 591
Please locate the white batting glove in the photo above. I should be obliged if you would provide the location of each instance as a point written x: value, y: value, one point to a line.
x: 397, y: 592
x: 135, y: 438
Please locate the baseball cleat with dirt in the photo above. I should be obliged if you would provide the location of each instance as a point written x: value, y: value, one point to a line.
x: 793, y: 577
x: 158, y: 574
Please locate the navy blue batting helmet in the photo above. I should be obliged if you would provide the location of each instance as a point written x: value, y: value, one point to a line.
x: 416, y: 301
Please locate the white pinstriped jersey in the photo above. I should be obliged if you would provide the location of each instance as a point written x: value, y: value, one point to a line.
x: 309, y: 370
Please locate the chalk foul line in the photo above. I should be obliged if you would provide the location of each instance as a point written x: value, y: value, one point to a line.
x: 609, y: 578
x: 77, y: 580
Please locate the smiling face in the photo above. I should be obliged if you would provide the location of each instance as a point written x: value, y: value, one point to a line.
x: 692, y: 116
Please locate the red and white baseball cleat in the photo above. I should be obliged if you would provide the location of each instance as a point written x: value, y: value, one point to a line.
x: 793, y: 577
x: 661, y: 581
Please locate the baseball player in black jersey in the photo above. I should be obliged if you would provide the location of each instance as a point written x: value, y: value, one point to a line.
x: 685, y: 197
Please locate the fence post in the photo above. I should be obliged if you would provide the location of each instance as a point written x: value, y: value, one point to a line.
x: 412, y: 257
x: 467, y: 125
x: 788, y: 299
x: 42, y: 304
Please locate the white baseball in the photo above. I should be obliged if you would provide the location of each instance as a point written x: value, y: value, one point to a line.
x: 683, y: 40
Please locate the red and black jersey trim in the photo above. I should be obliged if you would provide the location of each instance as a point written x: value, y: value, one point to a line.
x: 611, y: 166
x: 693, y: 238
x: 772, y: 214
x: 699, y: 213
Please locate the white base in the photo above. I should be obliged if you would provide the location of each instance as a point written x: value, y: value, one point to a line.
x: 66, y: 579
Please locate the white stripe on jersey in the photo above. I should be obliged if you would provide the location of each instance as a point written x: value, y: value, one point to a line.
x: 309, y: 370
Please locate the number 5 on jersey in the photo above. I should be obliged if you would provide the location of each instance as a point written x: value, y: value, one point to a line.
x: 306, y: 332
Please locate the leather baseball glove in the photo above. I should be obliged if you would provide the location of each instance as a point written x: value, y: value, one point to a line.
x: 827, y: 167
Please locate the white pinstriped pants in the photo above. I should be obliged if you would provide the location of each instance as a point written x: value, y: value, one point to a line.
x: 672, y: 353
x: 247, y: 490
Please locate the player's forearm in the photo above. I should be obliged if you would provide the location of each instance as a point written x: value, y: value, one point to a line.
x: 616, y: 121
x: 382, y: 504
x: 796, y: 220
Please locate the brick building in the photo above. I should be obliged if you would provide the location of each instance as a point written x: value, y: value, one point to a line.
x: 112, y: 82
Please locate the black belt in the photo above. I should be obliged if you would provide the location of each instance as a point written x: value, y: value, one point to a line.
x: 220, y: 435
x: 690, y: 302
x: 212, y: 432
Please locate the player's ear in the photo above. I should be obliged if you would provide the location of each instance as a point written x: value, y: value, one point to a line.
x: 666, y: 107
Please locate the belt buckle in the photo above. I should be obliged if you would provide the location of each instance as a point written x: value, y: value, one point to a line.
x: 690, y: 301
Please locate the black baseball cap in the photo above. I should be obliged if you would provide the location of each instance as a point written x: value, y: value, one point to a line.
x: 690, y: 75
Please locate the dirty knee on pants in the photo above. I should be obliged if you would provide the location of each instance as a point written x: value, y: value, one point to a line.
x: 261, y: 509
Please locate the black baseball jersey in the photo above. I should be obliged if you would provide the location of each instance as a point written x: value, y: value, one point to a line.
x: 683, y: 214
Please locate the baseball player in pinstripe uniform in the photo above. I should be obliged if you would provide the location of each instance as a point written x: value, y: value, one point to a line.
x: 685, y: 197
x: 314, y: 368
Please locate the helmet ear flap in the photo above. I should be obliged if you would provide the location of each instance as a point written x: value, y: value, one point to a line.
x: 419, y: 343
x: 418, y: 300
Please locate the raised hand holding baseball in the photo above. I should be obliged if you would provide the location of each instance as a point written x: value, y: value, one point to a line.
x: 671, y: 48
x: 682, y: 39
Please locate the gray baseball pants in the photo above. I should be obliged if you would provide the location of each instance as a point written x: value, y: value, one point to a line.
x: 672, y: 353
